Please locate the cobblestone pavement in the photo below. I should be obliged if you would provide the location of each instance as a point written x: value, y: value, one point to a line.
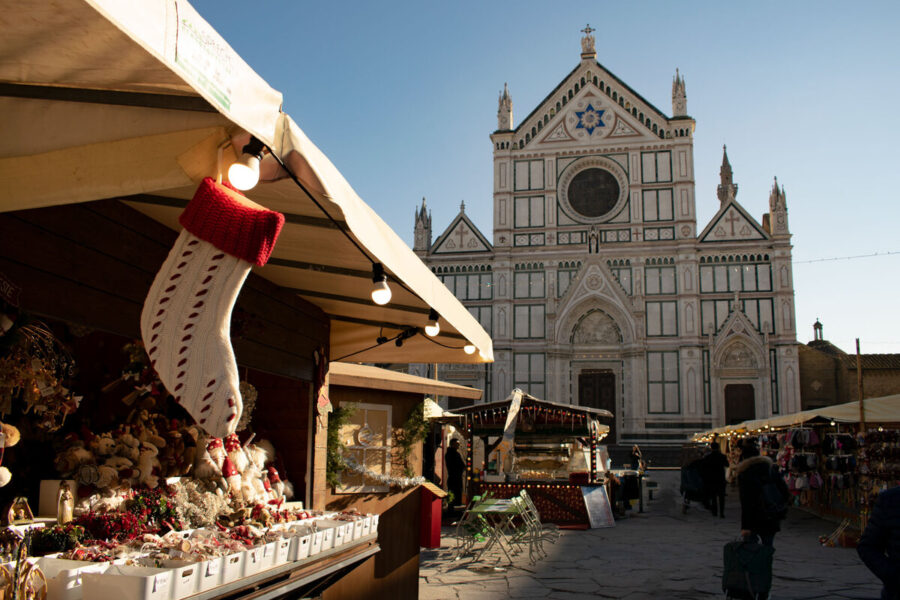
x: 661, y: 553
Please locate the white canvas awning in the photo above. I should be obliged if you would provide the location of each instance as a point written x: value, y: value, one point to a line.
x: 365, y: 376
x: 140, y: 100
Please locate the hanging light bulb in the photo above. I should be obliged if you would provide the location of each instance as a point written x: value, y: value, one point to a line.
x: 469, y: 348
x: 433, y: 328
x: 381, y: 293
x: 244, y: 174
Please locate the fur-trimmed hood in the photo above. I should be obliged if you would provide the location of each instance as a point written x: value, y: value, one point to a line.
x: 749, y: 462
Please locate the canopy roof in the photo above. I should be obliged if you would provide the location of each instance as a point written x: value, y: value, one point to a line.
x: 140, y: 100
x: 529, y: 400
x: 364, y: 376
x: 877, y: 410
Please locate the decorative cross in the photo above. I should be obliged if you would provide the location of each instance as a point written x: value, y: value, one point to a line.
x: 587, y: 30
x: 462, y: 232
x: 732, y: 219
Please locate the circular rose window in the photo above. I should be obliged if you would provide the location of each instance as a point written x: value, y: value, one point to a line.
x: 593, y: 192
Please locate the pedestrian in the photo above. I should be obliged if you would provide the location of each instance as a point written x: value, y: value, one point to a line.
x: 455, y: 468
x: 764, y: 496
x: 879, y: 546
x: 713, y: 467
x: 636, y: 457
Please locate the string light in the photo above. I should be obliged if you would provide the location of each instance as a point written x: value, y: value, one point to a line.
x: 381, y: 292
x: 434, y: 327
x: 244, y: 174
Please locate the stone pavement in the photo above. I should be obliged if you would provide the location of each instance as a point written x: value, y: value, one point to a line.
x: 661, y: 553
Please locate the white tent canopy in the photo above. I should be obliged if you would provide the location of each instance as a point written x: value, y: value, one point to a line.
x: 140, y: 100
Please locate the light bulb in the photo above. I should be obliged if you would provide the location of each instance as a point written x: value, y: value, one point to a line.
x: 381, y: 292
x: 433, y: 328
x: 469, y: 348
x: 244, y: 174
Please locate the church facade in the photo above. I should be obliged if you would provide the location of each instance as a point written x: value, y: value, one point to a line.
x: 596, y: 285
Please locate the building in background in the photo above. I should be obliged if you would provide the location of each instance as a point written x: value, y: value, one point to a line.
x: 828, y: 374
x: 597, y: 287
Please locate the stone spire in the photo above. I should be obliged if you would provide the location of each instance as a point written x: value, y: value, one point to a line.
x: 587, y: 44
x: 727, y: 189
x: 679, y: 96
x: 422, y: 237
x: 504, y: 111
x: 462, y: 206
x: 778, y: 221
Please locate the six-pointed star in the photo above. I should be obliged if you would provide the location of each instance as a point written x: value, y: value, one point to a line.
x: 590, y: 119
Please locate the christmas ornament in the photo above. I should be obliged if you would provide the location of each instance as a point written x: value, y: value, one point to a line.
x: 186, y: 320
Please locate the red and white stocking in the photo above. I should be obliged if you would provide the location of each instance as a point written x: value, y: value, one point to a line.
x: 186, y: 321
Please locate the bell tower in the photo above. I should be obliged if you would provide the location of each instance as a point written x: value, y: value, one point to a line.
x: 422, y: 240
x: 505, y: 111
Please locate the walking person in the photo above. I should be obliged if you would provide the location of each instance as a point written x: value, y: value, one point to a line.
x: 764, y: 496
x: 879, y: 546
x: 455, y: 468
x: 713, y: 471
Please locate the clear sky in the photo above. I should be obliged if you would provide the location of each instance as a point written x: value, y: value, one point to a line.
x: 402, y: 97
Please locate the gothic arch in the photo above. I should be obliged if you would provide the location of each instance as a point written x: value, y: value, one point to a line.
x: 596, y: 327
x: 740, y: 351
x: 571, y: 316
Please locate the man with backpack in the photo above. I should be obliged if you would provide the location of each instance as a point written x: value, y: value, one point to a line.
x: 764, y: 496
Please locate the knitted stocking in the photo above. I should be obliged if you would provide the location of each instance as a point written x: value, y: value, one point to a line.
x: 186, y: 321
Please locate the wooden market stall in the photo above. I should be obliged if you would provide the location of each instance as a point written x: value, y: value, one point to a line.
x: 120, y: 121
x: 833, y: 465
x: 551, y: 450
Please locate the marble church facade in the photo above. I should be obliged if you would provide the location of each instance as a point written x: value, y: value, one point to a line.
x: 596, y: 285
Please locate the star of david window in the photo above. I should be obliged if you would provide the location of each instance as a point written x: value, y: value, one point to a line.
x: 593, y: 192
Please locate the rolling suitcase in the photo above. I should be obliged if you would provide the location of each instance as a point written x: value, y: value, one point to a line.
x: 748, y: 570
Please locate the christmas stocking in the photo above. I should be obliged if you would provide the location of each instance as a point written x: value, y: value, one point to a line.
x: 186, y: 319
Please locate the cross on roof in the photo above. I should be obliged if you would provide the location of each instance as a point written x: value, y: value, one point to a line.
x: 587, y: 30
x: 732, y: 219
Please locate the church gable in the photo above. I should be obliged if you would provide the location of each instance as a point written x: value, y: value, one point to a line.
x: 461, y: 236
x: 732, y: 223
x: 591, y: 104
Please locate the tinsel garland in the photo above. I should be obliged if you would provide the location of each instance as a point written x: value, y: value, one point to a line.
x: 403, y: 482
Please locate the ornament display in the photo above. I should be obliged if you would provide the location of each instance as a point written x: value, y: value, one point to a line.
x: 185, y: 322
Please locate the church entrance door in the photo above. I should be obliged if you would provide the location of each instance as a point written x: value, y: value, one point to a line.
x: 740, y: 403
x: 597, y: 389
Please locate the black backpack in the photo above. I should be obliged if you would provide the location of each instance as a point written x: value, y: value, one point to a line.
x: 774, y: 502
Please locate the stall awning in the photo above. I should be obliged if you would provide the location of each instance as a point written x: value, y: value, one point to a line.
x: 529, y: 400
x: 877, y: 410
x: 140, y: 100
x: 364, y: 376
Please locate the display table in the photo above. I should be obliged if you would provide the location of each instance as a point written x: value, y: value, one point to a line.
x: 296, y: 580
x: 557, y: 502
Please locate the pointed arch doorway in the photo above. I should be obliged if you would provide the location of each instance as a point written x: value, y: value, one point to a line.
x: 597, y: 389
x: 740, y: 403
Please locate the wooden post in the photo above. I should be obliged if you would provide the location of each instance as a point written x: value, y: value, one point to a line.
x: 859, y: 388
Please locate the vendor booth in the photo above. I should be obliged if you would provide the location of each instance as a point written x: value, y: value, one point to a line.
x: 551, y: 450
x: 834, y: 466
x: 166, y: 327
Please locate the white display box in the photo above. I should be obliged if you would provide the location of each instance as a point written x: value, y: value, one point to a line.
x: 267, y: 560
x: 328, y: 539
x: 340, y: 534
x: 316, y: 546
x: 366, y: 525
x: 282, y: 551
x: 210, y: 574
x: 123, y: 581
x: 253, y: 563
x: 357, y: 527
x: 300, y: 546
x: 233, y: 566
x: 64, y: 577
x: 375, y: 523
x: 185, y: 578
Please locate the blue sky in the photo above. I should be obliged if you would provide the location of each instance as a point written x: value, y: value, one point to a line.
x: 402, y: 97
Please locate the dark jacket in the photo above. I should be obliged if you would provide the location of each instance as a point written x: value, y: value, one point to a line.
x: 752, y: 473
x: 712, y: 467
x: 879, y: 546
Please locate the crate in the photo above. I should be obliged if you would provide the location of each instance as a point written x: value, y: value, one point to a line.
x: 64, y: 577
x: 185, y: 578
x: 366, y: 525
x: 123, y: 581
x: 282, y: 551
x: 316, y: 546
x: 210, y: 574
x: 300, y: 546
x: 233, y: 566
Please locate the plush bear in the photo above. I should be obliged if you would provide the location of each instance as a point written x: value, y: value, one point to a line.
x: 103, y: 445
x: 149, y: 464
x: 128, y: 446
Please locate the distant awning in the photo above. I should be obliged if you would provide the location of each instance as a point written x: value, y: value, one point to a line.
x: 140, y: 100
x: 529, y: 400
x: 364, y: 376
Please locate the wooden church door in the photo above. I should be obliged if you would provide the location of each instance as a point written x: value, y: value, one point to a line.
x: 597, y: 389
x: 740, y: 403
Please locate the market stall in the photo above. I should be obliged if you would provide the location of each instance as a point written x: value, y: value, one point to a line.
x: 833, y: 466
x: 164, y: 337
x: 551, y: 450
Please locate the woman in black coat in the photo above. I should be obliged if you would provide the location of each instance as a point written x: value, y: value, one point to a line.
x: 752, y: 473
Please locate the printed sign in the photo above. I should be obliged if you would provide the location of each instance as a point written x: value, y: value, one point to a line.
x: 206, y: 57
x: 598, y: 507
